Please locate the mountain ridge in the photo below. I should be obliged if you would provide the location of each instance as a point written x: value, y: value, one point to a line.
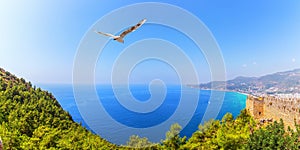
x: 284, y: 82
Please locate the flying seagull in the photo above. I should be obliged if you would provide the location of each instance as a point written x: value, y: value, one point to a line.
x: 120, y: 37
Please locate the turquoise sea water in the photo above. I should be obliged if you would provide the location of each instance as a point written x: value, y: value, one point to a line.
x: 233, y: 103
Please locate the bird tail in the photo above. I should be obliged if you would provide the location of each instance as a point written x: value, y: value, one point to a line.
x: 119, y: 39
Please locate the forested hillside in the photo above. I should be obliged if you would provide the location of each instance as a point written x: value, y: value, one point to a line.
x: 31, y: 118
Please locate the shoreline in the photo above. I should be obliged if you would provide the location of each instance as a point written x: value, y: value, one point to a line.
x: 221, y: 90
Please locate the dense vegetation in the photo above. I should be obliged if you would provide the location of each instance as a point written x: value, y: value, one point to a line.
x: 229, y: 133
x: 31, y: 118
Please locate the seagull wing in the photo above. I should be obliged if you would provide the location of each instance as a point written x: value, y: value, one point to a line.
x: 107, y: 34
x: 133, y: 28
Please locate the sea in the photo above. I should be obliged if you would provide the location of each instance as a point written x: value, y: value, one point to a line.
x: 121, y: 111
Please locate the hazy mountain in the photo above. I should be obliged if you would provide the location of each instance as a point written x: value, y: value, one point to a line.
x: 280, y: 82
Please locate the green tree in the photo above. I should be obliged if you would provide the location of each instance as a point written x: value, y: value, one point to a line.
x: 274, y: 136
x: 227, y: 134
x: 137, y: 142
x: 173, y: 139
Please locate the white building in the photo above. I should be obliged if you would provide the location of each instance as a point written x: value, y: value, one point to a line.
x: 1, y: 144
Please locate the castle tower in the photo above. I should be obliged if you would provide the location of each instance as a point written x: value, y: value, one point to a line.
x: 255, y: 105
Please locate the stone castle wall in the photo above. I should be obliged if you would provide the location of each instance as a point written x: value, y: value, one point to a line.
x: 268, y: 107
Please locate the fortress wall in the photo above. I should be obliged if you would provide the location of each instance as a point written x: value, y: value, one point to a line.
x: 272, y: 107
x: 249, y: 105
x: 285, y: 108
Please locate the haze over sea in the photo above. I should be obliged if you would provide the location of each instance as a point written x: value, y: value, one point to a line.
x: 233, y: 103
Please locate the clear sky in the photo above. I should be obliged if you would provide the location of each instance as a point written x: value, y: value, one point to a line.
x: 39, y: 39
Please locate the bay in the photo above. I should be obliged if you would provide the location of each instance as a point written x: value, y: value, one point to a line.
x: 233, y: 103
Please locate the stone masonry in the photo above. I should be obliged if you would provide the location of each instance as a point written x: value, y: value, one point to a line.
x: 272, y: 107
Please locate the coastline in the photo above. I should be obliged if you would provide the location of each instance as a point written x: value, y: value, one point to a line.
x: 243, y: 93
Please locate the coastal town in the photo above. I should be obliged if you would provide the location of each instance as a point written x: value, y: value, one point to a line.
x: 281, y: 84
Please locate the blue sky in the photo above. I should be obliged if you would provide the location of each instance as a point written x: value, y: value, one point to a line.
x: 39, y: 39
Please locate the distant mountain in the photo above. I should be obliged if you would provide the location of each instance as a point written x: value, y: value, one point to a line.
x: 277, y: 83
